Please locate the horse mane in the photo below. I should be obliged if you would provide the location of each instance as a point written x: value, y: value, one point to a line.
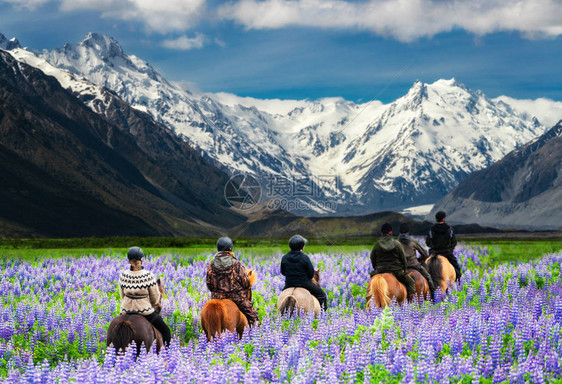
x: 289, y: 305
x: 122, y: 335
x: 435, y: 269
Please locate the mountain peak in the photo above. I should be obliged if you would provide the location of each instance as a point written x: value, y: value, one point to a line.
x: 8, y: 45
x: 106, y: 46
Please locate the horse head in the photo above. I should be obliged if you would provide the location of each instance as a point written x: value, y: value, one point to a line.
x: 316, y: 277
x: 252, y: 276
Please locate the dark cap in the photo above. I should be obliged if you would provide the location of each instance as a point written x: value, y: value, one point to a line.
x: 297, y: 242
x: 224, y: 244
x: 404, y: 228
x: 386, y: 228
x: 135, y: 253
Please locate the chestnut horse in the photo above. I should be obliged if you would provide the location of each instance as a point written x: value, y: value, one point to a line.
x: 218, y: 315
x: 125, y: 329
x: 422, y: 286
x: 382, y: 288
x: 299, y: 300
x: 441, y: 271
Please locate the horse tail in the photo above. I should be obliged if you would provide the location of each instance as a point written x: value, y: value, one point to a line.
x: 289, y: 305
x: 123, y: 334
x: 380, y: 291
x: 212, y: 318
x: 435, y: 270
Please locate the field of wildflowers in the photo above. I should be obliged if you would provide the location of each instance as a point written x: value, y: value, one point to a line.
x: 499, y: 325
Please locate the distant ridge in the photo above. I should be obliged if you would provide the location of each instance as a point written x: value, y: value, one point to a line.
x: 523, y: 190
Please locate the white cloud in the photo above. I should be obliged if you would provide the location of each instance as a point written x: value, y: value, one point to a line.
x: 549, y: 112
x: 25, y: 4
x: 160, y: 16
x: 405, y: 20
x: 185, y: 43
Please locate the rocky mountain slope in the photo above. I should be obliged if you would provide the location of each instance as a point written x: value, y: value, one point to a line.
x: 67, y: 171
x: 523, y: 190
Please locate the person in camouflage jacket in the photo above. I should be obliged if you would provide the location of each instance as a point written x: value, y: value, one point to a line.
x: 227, y: 279
x: 410, y: 247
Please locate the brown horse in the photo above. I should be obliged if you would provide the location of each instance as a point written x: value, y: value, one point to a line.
x: 125, y: 329
x: 218, y: 315
x: 382, y: 288
x: 441, y: 271
x: 422, y: 286
x: 299, y: 300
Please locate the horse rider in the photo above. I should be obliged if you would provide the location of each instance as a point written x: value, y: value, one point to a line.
x: 298, y: 270
x: 441, y: 240
x: 388, y: 256
x: 139, y: 293
x: 227, y: 279
x: 410, y: 247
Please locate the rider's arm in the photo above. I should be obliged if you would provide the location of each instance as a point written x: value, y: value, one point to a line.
x: 154, y: 292
x: 453, y: 240
x: 209, y: 279
x: 402, y: 255
x: 418, y: 247
x: 309, y: 267
x: 243, y: 276
x: 121, y: 293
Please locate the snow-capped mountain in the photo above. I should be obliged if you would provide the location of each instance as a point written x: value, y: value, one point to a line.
x: 8, y: 44
x: 385, y: 156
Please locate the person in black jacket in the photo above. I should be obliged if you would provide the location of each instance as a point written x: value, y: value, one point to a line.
x: 441, y: 240
x: 298, y: 270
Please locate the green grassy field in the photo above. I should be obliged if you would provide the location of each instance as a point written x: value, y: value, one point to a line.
x: 499, y: 250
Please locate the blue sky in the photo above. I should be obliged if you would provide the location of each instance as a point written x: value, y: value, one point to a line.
x: 311, y: 48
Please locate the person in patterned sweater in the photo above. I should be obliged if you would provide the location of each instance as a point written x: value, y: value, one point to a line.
x: 227, y: 279
x: 140, y: 293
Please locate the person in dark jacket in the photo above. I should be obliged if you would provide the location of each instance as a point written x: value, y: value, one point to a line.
x: 441, y: 240
x: 298, y: 270
x: 410, y: 247
x: 388, y: 256
x: 227, y: 279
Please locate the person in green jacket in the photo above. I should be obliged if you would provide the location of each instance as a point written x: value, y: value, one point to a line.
x: 388, y: 256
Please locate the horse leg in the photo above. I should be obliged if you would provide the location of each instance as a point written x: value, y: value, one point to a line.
x: 158, y: 339
x: 241, y: 324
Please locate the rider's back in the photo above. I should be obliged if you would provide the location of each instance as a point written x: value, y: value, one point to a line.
x: 388, y: 255
x: 297, y: 268
x: 226, y: 275
x: 139, y: 291
x: 441, y: 239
